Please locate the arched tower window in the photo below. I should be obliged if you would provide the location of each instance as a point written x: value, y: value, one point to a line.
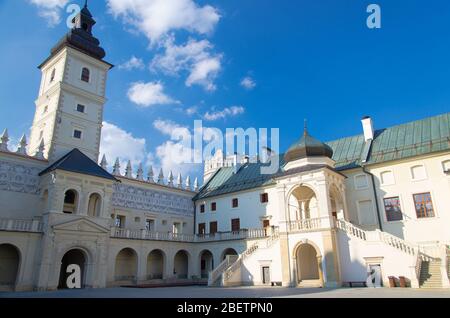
x: 85, y: 75
x: 94, y: 205
x: 52, y: 76
x: 70, y: 202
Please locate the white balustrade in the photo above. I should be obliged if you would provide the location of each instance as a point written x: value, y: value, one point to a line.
x: 190, y: 238
x: 34, y: 226
x: 310, y: 224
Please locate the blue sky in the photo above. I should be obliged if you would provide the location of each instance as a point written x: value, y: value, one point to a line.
x: 300, y: 59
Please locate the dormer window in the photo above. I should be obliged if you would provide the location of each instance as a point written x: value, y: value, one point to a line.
x: 85, y: 75
x: 85, y: 27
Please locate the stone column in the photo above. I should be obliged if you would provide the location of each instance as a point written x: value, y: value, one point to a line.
x: 284, y: 240
x: 142, y: 268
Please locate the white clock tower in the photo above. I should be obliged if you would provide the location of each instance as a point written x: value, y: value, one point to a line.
x: 69, y: 108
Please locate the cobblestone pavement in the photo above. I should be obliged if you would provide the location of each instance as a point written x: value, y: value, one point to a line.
x: 241, y: 292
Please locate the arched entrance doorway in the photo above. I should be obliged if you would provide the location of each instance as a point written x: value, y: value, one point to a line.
x: 72, y: 257
x: 9, y: 266
x: 155, y: 265
x: 181, y: 265
x: 309, y: 272
x: 229, y: 252
x: 206, y: 263
x: 126, y: 265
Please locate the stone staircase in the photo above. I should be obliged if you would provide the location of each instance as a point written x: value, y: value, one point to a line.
x: 223, y: 273
x: 430, y: 274
x: 428, y: 263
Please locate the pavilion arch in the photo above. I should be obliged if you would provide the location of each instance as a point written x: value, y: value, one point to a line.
x: 206, y: 263
x: 156, y: 261
x: 126, y: 265
x: 71, y: 201
x: 10, y: 259
x: 181, y: 264
x: 74, y: 255
x: 302, y: 203
x: 95, y: 205
x: 308, y: 263
x: 229, y: 252
x: 337, y: 202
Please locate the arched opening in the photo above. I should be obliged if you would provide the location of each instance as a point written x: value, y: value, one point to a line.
x: 94, y: 205
x: 85, y: 75
x: 52, y: 75
x: 70, y: 202
x: 307, y: 263
x: 206, y: 263
x: 72, y: 257
x: 126, y: 265
x: 229, y: 252
x: 155, y: 265
x: 337, y: 204
x: 303, y: 204
x: 9, y: 266
x: 181, y: 265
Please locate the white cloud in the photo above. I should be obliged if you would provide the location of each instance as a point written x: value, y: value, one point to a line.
x: 118, y: 143
x: 226, y: 112
x: 132, y: 63
x: 248, y: 83
x: 204, y: 73
x: 149, y: 94
x: 192, y: 110
x: 170, y: 155
x: 194, y: 57
x: 156, y: 18
x: 50, y: 10
x: 176, y: 154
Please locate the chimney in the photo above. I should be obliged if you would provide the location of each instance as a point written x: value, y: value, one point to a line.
x: 367, y: 124
x: 236, y: 163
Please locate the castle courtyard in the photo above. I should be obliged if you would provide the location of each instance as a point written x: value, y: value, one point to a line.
x: 241, y: 292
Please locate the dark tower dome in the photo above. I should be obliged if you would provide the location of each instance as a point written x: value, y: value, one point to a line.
x: 307, y: 146
x: 80, y: 36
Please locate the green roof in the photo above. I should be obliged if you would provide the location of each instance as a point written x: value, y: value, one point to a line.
x: 416, y: 138
x: 412, y: 139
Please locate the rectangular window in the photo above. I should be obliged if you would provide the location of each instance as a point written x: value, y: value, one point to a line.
x: 235, y: 203
x: 202, y: 208
x: 264, y: 197
x: 213, y: 227
x: 120, y: 221
x: 81, y: 108
x: 235, y: 225
x: 213, y: 206
x: 202, y: 228
x: 176, y: 228
x: 424, y: 205
x: 150, y: 225
x: 77, y: 134
x: 393, y: 209
x: 45, y: 110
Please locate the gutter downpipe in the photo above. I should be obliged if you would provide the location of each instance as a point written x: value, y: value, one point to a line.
x: 372, y: 177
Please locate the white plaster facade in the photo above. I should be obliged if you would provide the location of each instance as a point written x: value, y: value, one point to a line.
x: 316, y: 226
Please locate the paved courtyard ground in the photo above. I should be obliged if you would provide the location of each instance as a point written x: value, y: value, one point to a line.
x: 241, y: 292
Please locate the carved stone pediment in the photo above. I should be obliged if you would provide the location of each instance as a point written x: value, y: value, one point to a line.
x: 81, y: 225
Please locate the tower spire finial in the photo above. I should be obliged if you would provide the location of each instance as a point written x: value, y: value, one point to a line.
x: 305, y: 128
x: 85, y: 3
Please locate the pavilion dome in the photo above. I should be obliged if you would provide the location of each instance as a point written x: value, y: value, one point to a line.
x: 308, y: 146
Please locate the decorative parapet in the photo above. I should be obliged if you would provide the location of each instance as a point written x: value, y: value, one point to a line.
x: 191, y: 238
x: 12, y: 225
